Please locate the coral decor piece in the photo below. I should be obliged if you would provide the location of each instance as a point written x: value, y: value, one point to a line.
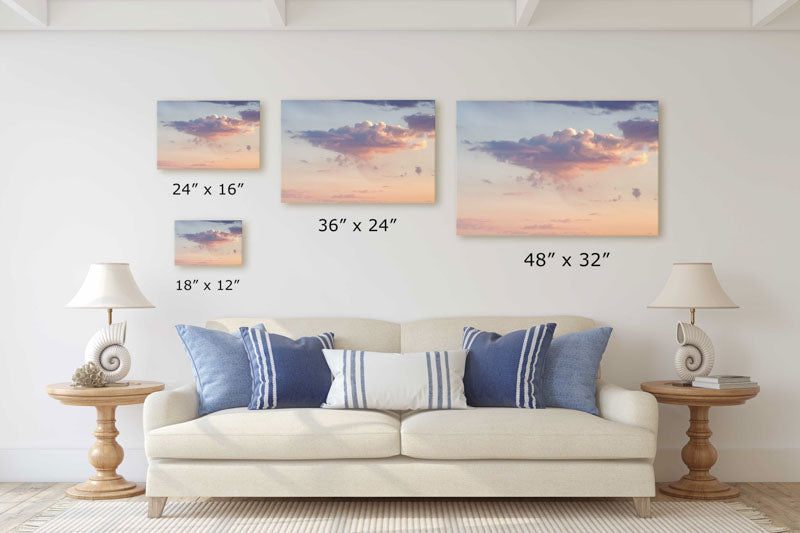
x: 89, y: 375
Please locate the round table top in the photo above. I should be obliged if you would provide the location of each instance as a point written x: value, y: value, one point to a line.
x: 674, y: 392
x: 113, y: 394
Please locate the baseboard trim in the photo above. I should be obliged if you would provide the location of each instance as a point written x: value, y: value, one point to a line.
x: 737, y: 464
x: 72, y: 465
x: 62, y: 464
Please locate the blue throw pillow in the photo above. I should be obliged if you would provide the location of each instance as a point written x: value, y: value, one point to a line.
x: 570, y: 369
x: 506, y: 371
x: 220, y: 365
x: 286, y: 372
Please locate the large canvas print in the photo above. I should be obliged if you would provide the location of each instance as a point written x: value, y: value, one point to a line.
x: 566, y: 167
x: 208, y: 242
x: 358, y: 151
x: 209, y: 134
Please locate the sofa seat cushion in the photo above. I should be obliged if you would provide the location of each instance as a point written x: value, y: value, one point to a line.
x: 509, y: 433
x: 299, y: 433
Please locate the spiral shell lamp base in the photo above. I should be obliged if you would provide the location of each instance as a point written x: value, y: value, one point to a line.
x: 107, y: 350
x: 695, y: 357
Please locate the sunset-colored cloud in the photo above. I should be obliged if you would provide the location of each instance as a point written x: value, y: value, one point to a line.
x: 212, y: 237
x: 213, y: 127
x: 565, y: 154
x: 364, y: 140
x: 421, y: 122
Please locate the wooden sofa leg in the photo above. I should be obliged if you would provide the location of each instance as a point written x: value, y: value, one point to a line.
x: 642, y: 506
x: 155, y: 506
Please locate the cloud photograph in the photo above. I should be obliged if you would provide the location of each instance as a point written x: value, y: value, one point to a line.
x: 557, y: 167
x: 208, y: 242
x: 209, y: 134
x: 358, y: 151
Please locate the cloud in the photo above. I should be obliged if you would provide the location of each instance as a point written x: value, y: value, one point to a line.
x: 394, y: 104
x: 288, y: 194
x: 636, y: 192
x: 251, y: 115
x: 608, y: 106
x: 563, y: 155
x: 636, y: 160
x: 212, y: 127
x: 639, y: 130
x: 540, y: 226
x: 472, y: 224
x: 235, y: 103
x: 421, y: 122
x: 418, y: 170
x: 236, y: 230
x: 515, y: 193
x: 211, y: 238
x: 364, y: 140
x: 486, y: 180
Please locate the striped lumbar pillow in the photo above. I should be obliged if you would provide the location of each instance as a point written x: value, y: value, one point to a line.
x: 286, y: 372
x: 374, y: 380
x: 506, y: 370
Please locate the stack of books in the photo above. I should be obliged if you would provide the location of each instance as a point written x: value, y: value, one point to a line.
x: 723, y: 382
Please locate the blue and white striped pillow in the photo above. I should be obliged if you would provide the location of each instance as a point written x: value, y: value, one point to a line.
x: 396, y: 381
x: 286, y: 372
x: 506, y: 371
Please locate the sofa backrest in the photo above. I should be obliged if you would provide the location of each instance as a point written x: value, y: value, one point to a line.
x: 349, y: 333
x: 446, y: 333
x: 417, y: 336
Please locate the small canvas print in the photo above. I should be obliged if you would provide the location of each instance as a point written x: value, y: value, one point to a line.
x: 208, y: 242
x: 358, y: 151
x: 209, y: 134
x: 566, y: 167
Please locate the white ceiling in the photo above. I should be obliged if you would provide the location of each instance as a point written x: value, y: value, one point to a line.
x: 399, y: 14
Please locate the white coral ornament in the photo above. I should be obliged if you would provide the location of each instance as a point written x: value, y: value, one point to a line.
x: 695, y: 357
x: 106, y: 349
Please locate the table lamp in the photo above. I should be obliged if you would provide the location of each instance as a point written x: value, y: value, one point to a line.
x: 109, y: 286
x: 693, y: 286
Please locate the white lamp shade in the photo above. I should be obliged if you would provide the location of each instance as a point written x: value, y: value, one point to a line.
x: 109, y: 286
x: 693, y: 285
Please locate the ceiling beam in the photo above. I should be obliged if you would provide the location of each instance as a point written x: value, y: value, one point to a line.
x: 765, y: 11
x: 277, y: 9
x: 525, y: 11
x: 34, y: 11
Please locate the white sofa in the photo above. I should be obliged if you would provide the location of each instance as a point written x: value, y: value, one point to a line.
x: 481, y: 452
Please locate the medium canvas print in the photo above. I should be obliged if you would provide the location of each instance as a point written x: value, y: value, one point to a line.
x: 571, y: 167
x: 209, y: 134
x: 358, y: 151
x: 208, y: 242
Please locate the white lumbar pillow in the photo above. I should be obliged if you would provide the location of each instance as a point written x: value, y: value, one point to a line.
x: 396, y: 381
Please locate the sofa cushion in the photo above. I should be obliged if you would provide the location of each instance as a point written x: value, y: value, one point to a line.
x: 279, y: 434
x: 510, y: 433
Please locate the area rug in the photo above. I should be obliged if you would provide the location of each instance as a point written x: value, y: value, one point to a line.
x: 363, y: 516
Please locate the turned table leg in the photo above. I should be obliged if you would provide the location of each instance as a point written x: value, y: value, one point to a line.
x: 105, y: 455
x: 699, y: 455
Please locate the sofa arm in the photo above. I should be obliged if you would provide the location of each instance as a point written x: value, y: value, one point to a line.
x: 170, y: 407
x: 634, y: 408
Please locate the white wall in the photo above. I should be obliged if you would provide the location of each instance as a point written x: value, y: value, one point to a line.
x: 78, y: 184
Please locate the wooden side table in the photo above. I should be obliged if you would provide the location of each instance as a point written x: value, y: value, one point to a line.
x: 698, y: 454
x: 106, y: 454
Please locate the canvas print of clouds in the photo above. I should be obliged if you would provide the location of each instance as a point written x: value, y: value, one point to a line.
x: 557, y: 168
x: 209, y: 134
x: 208, y: 242
x: 366, y: 151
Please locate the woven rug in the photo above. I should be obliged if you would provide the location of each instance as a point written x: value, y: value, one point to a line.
x: 313, y: 516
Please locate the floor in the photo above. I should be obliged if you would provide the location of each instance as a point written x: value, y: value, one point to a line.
x: 20, y: 501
